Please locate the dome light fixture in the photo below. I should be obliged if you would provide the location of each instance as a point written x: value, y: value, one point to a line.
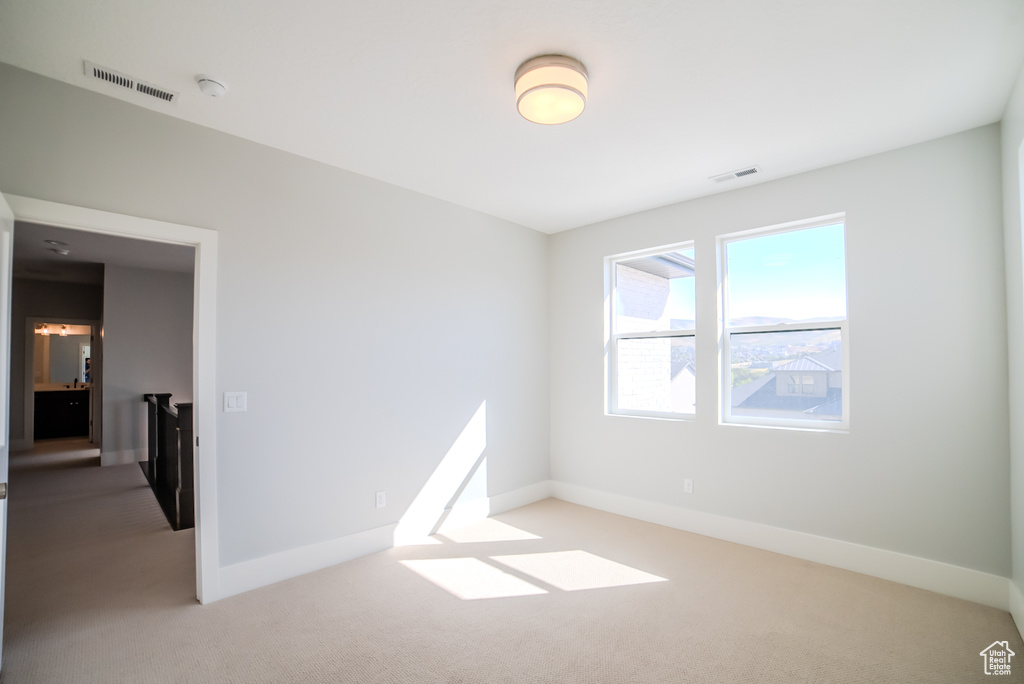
x: 551, y: 89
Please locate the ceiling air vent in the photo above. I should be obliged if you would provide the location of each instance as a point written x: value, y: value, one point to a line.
x: 749, y: 171
x: 128, y: 82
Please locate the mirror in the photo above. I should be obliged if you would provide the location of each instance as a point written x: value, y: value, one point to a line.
x: 61, y: 359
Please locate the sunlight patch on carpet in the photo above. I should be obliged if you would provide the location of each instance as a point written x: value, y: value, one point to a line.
x: 576, y: 570
x: 471, y: 578
x: 489, y: 530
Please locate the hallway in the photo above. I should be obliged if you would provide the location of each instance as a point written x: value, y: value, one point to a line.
x: 87, y: 546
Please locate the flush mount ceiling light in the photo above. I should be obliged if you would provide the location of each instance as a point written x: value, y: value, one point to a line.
x: 551, y: 89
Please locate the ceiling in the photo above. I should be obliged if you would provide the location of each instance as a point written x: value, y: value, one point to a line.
x: 420, y: 94
x: 35, y: 258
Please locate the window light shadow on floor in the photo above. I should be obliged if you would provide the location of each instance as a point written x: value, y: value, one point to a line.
x: 474, y: 578
x: 576, y: 570
x: 471, y: 578
x: 489, y: 530
x: 460, y: 482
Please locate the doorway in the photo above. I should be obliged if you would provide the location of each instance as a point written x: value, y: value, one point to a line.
x: 204, y: 242
x: 60, y: 362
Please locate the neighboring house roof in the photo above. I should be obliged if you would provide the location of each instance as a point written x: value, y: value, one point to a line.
x: 806, y: 363
x: 689, y: 367
x: 831, y: 408
x: 833, y: 358
x: 761, y: 394
x: 743, y: 392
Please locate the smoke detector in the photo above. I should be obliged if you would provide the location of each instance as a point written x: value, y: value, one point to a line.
x: 211, y: 86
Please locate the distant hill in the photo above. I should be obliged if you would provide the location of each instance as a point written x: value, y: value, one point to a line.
x: 760, y: 320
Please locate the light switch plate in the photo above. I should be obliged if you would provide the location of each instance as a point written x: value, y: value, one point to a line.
x: 234, y: 401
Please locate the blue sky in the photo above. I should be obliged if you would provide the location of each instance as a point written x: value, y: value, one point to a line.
x: 800, y: 275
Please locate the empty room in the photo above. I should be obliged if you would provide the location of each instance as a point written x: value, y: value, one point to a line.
x: 563, y: 341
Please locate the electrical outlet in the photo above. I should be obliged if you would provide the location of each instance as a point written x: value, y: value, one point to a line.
x: 381, y: 500
x: 688, y: 486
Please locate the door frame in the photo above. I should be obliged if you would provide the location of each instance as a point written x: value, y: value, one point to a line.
x: 204, y: 350
x: 95, y: 411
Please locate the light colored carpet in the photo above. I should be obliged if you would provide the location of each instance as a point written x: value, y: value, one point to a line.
x: 100, y: 589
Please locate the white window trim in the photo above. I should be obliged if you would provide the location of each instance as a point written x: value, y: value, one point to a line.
x: 724, y: 331
x: 612, y: 338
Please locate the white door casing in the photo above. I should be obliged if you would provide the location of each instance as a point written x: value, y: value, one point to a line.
x: 204, y: 350
x: 6, y: 254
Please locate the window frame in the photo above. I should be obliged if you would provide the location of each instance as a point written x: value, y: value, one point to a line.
x: 725, y: 331
x: 612, y: 337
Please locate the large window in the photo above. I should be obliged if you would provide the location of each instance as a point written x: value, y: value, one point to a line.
x: 784, y: 341
x: 651, y: 355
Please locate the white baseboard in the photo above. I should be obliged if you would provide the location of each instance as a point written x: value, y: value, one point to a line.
x: 943, y: 578
x: 260, y: 572
x: 468, y: 513
x: 520, y: 497
x: 112, y: 458
x: 266, y: 570
x: 1017, y: 606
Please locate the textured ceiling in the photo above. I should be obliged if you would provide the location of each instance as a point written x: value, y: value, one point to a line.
x: 420, y: 94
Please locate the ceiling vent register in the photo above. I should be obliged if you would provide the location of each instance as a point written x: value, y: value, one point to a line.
x: 742, y: 173
x: 128, y: 82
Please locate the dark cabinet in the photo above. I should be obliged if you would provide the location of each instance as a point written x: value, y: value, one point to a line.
x: 62, y: 413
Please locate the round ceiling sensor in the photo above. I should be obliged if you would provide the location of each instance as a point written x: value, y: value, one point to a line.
x: 211, y: 86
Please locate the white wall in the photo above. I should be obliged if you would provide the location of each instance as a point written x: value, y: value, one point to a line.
x: 430, y: 309
x: 923, y: 471
x: 1013, y: 136
x: 147, y: 337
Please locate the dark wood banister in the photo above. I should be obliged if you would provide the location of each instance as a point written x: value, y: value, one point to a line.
x: 169, y: 466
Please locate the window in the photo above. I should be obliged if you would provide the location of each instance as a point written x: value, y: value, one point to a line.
x: 784, y: 326
x: 651, y: 354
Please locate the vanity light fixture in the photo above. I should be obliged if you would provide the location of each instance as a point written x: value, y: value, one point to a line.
x: 46, y: 329
x: 551, y: 89
x: 63, y: 331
